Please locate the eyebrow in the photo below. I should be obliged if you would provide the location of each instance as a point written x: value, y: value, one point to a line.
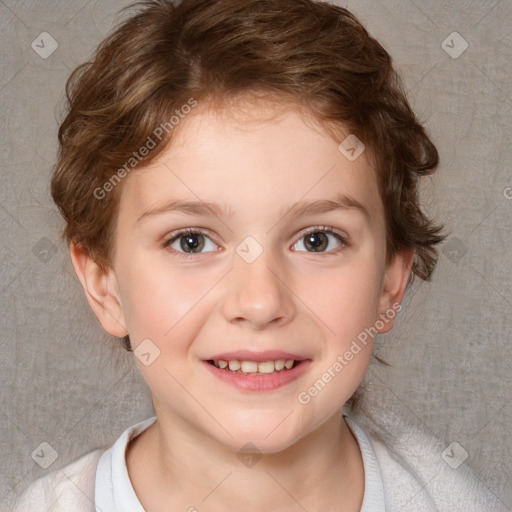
x: 339, y: 202
x: 198, y: 208
x: 188, y: 207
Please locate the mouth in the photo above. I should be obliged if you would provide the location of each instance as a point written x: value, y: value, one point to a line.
x: 245, y: 367
x: 249, y: 371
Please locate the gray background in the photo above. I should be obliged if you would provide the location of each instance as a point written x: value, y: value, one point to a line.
x: 65, y: 382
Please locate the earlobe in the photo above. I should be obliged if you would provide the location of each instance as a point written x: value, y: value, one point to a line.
x: 394, y: 285
x: 101, y: 289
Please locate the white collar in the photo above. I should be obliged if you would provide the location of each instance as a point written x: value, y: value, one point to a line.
x: 373, y: 499
x: 113, y: 489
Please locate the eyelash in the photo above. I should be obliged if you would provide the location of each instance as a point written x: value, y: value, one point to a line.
x: 330, y: 230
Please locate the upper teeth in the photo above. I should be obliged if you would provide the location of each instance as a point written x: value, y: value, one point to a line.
x: 253, y: 366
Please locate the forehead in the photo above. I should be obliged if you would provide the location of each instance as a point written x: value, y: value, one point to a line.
x: 255, y: 156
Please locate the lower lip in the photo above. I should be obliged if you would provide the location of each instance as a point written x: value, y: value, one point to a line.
x: 249, y: 382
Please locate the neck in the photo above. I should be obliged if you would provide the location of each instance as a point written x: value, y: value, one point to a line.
x: 172, y: 464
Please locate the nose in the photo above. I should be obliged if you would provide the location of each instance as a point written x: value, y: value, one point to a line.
x: 258, y: 294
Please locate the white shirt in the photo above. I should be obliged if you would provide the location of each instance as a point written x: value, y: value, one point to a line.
x: 417, y: 479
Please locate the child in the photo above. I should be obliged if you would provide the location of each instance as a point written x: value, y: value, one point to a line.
x: 239, y: 182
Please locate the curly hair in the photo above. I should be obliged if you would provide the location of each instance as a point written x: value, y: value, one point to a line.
x: 312, y: 54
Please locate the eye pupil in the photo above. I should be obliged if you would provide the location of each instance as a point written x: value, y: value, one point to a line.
x: 316, y: 241
x: 192, y: 242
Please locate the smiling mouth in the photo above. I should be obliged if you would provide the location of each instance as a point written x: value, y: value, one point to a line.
x: 253, y: 367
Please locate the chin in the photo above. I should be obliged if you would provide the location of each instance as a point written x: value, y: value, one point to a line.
x: 261, y: 436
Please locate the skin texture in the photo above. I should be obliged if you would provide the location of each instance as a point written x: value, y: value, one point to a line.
x: 254, y: 166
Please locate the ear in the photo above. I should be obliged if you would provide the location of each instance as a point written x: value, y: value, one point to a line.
x: 101, y: 289
x: 393, y: 287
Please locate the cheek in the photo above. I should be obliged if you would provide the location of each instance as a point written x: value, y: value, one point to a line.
x: 345, y: 301
x: 167, y: 306
x: 159, y: 301
x: 345, y: 304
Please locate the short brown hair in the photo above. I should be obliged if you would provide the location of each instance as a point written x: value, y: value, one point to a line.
x: 311, y: 53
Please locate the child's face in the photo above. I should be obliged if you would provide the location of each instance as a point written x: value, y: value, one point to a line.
x: 291, y: 301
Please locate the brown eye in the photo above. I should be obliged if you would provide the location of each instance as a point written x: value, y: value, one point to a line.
x: 191, y: 242
x: 316, y: 242
x: 320, y: 240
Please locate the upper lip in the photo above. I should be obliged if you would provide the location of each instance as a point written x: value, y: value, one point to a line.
x: 253, y: 355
